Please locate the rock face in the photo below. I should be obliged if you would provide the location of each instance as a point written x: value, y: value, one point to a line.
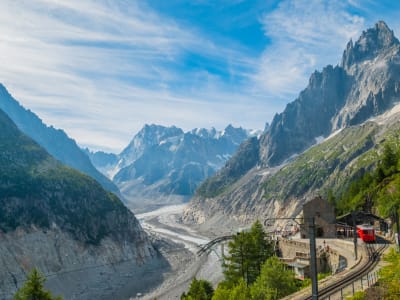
x: 365, y: 85
x: 145, y: 139
x: 166, y: 163
x: 63, y: 222
x: 307, y: 118
x: 110, y: 270
x: 55, y: 141
x: 243, y: 160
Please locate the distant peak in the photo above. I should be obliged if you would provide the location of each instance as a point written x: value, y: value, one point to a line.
x: 381, y: 25
x: 371, y: 43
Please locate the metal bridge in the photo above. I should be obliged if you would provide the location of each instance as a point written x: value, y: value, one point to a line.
x: 206, y: 247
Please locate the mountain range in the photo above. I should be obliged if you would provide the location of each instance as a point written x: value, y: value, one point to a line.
x: 164, y: 165
x: 317, y: 142
x: 59, y: 213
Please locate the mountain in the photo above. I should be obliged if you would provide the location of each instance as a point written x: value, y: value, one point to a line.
x: 104, y: 162
x: 364, y: 86
x: 164, y: 165
x: 55, y: 141
x: 63, y: 222
x: 147, y: 137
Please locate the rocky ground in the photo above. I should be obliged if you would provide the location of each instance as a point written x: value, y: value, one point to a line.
x: 77, y: 271
x: 179, y: 244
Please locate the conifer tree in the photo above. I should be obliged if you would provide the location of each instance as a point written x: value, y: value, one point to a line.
x: 261, y: 250
x: 199, y: 290
x: 33, y: 288
x: 274, y: 282
x: 236, y: 264
x: 247, y: 252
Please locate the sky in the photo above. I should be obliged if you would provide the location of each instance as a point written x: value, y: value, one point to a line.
x: 102, y: 69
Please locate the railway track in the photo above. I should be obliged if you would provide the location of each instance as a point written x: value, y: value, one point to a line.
x: 374, y: 252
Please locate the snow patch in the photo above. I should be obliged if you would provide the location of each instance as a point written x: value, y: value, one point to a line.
x: 382, y: 119
x: 333, y: 134
x: 319, y: 139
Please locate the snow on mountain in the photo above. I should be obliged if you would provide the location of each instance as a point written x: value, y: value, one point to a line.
x: 169, y: 161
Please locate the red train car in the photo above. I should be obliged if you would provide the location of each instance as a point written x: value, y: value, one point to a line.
x: 366, y: 233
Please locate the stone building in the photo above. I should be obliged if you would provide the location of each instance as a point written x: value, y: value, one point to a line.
x: 324, y: 216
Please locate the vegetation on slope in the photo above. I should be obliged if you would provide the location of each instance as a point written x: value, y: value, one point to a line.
x: 388, y: 285
x: 379, y: 188
x: 199, y: 290
x: 334, y: 167
x: 322, y: 166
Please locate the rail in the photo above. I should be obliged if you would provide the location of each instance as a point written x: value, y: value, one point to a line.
x: 373, y: 252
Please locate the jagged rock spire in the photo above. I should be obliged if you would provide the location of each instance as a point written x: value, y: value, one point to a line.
x: 371, y: 43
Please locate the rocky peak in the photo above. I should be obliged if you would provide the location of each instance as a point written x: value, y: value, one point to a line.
x: 236, y: 135
x: 266, y: 127
x: 157, y: 133
x: 371, y: 43
x: 204, y: 133
x: 148, y: 136
x: 364, y: 86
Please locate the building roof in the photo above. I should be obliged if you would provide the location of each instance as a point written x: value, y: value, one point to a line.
x: 360, y: 216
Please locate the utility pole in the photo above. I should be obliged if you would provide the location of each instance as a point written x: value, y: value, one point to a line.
x: 398, y: 228
x: 313, y: 260
x: 313, y: 251
x: 353, y: 214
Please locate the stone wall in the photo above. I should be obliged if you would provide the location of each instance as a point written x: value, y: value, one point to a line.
x: 328, y: 259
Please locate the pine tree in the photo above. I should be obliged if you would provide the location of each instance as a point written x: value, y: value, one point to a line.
x: 389, y: 160
x: 274, y: 282
x: 236, y: 264
x: 238, y: 292
x: 247, y: 252
x: 261, y: 249
x: 199, y: 290
x: 33, y: 288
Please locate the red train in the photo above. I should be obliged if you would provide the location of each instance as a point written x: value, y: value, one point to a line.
x: 366, y: 233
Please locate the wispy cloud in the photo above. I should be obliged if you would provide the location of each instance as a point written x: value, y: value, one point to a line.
x: 117, y: 63
x: 305, y: 35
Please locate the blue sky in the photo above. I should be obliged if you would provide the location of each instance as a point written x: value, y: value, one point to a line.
x: 102, y: 69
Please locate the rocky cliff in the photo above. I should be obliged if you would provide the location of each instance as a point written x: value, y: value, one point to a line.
x: 365, y: 85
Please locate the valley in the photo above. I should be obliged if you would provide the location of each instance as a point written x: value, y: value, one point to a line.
x: 164, y: 223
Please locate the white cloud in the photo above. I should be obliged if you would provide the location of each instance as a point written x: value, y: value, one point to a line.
x: 305, y: 35
x: 99, y: 66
